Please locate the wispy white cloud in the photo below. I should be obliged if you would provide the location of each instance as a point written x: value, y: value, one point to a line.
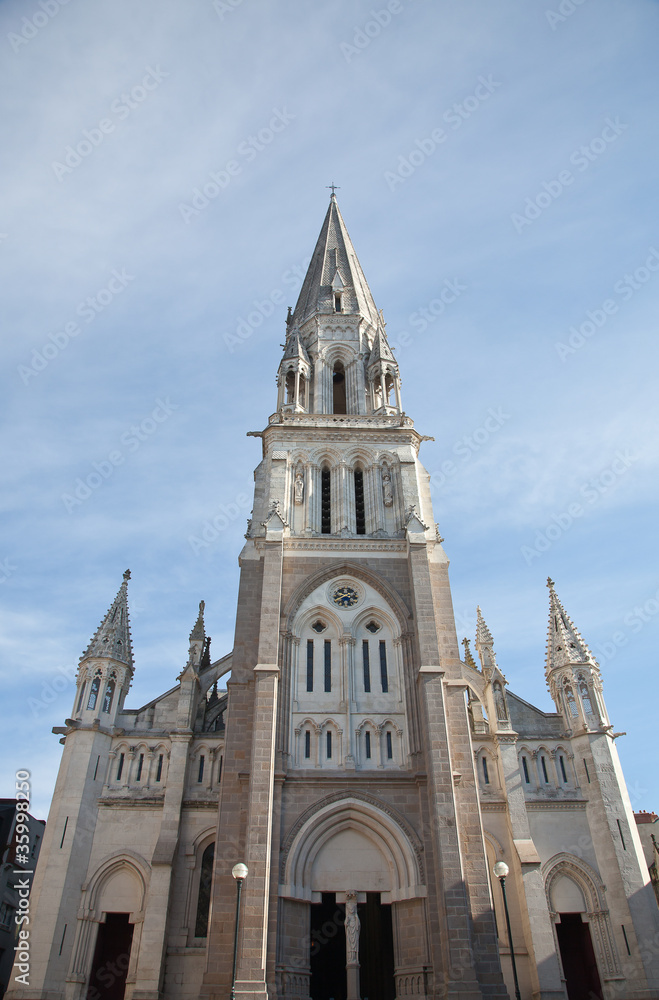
x: 451, y: 219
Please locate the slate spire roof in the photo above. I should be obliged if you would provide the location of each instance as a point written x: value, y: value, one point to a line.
x: 198, y: 629
x: 112, y: 637
x: 380, y: 350
x: 564, y: 642
x: 295, y: 348
x: 334, y: 268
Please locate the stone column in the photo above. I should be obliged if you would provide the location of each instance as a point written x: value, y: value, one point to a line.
x: 253, y: 938
x: 453, y: 952
x: 538, y: 933
x: 151, y: 959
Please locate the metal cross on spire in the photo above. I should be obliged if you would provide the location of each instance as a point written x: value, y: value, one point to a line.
x: 334, y: 188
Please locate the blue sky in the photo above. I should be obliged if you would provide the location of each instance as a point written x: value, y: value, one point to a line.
x: 501, y: 155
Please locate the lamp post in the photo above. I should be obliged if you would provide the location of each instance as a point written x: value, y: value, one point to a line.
x: 501, y: 869
x: 240, y: 873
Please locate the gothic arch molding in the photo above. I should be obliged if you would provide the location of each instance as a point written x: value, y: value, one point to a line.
x: 375, y: 820
x: 121, y: 861
x: 593, y: 890
x: 307, y: 586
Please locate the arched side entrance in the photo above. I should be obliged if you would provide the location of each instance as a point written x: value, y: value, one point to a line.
x: 352, y: 883
x: 576, y: 902
x: 109, y: 928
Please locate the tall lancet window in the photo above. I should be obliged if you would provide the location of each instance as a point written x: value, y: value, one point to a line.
x: 204, y: 897
x: 585, y: 696
x: 290, y: 387
x: 109, y: 694
x: 339, y: 389
x: 360, y: 513
x: 325, y: 502
x: 93, y: 691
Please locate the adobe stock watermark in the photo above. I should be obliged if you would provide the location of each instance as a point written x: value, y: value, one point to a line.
x: 7, y: 569
x: 597, y: 318
x: 581, y: 158
x: 264, y: 308
x: 23, y: 885
x: 467, y: 446
x: 246, y: 152
x: 566, y: 8
x: 454, y: 117
x: 88, y: 309
x: 371, y: 29
x: 450, y: 290
x: 121, y: 108
x: 32, y: 25
x: 634, y: 621
x: 224, y: 7
x: 51, y: 689
x: 591, y: 492
x: 132, y: 440
x: 211, y: 529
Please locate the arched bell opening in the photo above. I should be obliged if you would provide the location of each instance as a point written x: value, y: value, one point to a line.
x: 339, y: 388
x: 290, y: 388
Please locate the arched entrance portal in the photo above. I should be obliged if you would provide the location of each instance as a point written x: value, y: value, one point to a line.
x: 577, y: 902
x: 354, y: 864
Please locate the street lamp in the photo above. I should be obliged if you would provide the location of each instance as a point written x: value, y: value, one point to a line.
x: 501, y: 869
x: 240, y: 873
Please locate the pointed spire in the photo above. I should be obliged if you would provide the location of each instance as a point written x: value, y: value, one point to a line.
x: 484, y: 643
x: 469, y: 659
x: 295, y: 348
x: 483, y: 634
x: 381, y: 350
x: 112, y: 637
x: 334, y: 266
x: 564, y: 643
x: 198, y: 631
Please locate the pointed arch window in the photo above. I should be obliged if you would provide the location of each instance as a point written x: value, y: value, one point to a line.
x: 360, y: 510
x: 325, y: 502
x: 108, y: 696
x: 290, y: 387
x: 93, y: 692
x: 585, y: 696
x: 339, y: 389
x: 204, y: 896
x: 571, y: 702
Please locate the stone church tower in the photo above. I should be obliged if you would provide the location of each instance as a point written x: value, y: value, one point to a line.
x: 366, y: 773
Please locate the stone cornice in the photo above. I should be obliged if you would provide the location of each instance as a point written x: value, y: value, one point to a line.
x: 364, y: 546
x: 132, y: 803
x: 536, y: 806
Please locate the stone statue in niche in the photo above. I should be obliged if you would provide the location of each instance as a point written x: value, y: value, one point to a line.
x: 502, y: 711
x: 387, y: 490
x: 299, y: 487
x: 352, y: 925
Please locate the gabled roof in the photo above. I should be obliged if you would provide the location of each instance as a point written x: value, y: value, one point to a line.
x: 564, y: 642
x: 112, y: 637
x: 380, y: 350
x: 295, y: 349
x: 334, y: 265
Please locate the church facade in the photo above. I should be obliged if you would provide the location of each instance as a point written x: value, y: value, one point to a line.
x: 367, y: 770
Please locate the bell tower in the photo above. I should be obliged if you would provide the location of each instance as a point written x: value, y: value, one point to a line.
x: 348, y: 780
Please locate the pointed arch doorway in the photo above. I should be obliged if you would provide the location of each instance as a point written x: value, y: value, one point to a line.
x: 354, y: 864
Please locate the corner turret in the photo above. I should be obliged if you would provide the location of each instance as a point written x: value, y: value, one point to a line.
x: 106, y: 666
x: 573, y: 674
